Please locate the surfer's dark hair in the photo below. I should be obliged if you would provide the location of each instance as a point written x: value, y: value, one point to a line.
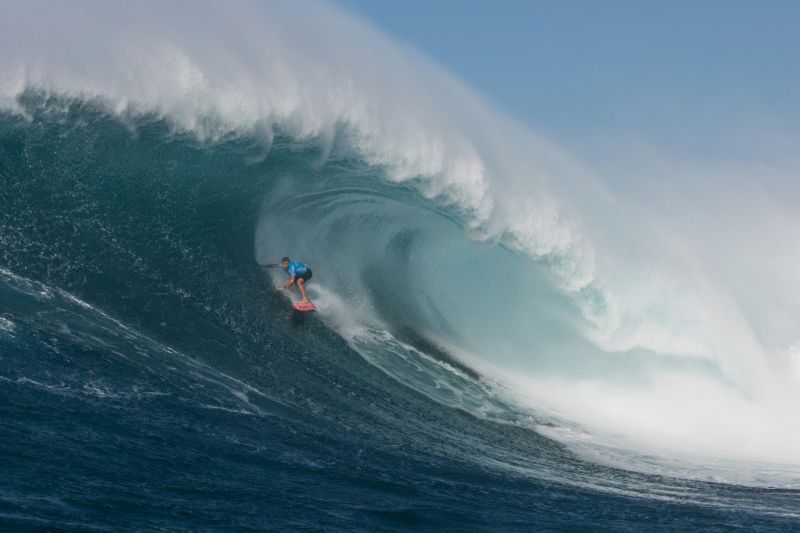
x: 285, y: 260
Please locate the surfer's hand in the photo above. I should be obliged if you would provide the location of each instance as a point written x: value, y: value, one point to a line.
x: 280, y: 288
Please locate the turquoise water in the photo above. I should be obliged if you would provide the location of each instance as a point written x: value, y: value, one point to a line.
x: 151, y: 378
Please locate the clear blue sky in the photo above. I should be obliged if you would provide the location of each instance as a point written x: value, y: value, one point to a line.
x: 664, y: 69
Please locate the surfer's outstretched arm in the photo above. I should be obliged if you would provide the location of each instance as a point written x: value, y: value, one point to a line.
x: 271, y: 265
x: 288, y: 284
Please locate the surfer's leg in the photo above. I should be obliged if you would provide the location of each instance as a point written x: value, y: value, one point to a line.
x: 301, y: 284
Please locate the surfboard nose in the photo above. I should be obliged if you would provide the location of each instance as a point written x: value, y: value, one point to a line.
x: 305, y: 306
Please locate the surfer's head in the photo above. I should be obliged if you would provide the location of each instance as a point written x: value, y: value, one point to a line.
x: 285, y: 262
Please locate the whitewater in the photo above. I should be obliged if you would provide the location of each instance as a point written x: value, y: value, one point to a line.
x: 509, y: 336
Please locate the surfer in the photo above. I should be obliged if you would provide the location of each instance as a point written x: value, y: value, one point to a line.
x: 298, y: 273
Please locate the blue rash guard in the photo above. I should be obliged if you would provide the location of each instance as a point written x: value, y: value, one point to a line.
x: 296, y: 269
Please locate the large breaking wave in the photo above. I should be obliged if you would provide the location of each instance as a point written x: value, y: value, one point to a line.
x: 447, y: 242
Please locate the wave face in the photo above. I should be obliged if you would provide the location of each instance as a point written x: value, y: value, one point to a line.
x: 486, y: 354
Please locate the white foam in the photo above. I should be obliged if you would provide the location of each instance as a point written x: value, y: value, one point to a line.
x: 792, y: 354
x: 6, y: 325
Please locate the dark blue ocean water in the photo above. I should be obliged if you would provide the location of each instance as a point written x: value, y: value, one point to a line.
x: 152, y: 379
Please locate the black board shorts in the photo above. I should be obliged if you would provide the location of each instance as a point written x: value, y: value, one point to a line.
x: 306, y: 276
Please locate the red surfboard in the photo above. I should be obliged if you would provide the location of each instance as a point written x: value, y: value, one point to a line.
x: 304, y: 306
